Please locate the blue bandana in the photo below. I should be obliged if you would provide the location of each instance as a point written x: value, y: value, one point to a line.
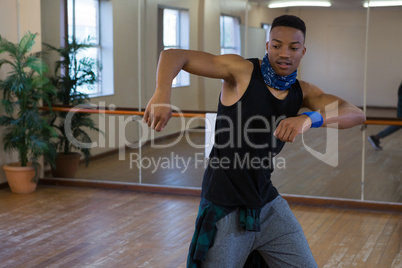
x: 272, y: 79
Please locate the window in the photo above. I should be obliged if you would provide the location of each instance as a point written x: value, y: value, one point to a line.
x: 230, y: 35
x: 267, y: 28
x: 175, y: 33
x: 84, y: 21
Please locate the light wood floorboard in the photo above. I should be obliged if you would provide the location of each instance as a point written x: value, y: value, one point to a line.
x: 85, y: 227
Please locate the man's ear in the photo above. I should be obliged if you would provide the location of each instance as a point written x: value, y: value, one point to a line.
x: 266, y: 46
x: 304, y: 50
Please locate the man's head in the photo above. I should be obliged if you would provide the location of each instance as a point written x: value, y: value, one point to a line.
x: 290, y: 21
x: 286, y: 44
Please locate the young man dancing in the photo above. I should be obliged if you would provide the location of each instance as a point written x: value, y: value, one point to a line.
x: 240, y: 210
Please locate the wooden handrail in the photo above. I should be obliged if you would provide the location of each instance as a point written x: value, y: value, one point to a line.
x: 383, y: 121
x: 201, y: 114
x: 115, y: 112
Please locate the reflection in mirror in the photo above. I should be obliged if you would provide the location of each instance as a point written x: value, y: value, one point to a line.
x: 334, y: 61
x: 382, y: 169
x: 120, y: 147
x: 384, y: 63
x: 323, y: 162
x: 175, y: 160
x: 383, y: 172
x: 119, y: 73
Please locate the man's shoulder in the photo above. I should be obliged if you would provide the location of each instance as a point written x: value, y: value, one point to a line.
x: 240, y: 67
x: 307, y: 86
x: 310, y: 89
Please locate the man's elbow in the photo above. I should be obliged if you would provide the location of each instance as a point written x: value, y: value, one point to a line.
x: 362, y: 117
x: 356, y: 118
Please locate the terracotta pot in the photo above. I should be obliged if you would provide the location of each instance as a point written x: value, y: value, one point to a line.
x: 66, y: 165
x: 20, y: 179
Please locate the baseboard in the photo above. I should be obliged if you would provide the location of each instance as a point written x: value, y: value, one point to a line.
x: 292, y: 199
x: 343, y: 203
x: 4, y: 185
x: 123, y: 186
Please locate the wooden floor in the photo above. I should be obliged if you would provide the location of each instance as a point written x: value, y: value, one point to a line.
x: 84, y: 227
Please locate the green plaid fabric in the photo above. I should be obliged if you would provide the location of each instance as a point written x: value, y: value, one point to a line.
x: 250, y: 219
x: 208, y: 215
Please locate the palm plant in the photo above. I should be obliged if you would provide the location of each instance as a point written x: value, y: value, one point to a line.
x: 71, y: 72
x: 25, y: 85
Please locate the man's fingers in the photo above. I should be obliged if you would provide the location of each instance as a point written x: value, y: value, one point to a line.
x: 286, y: 132
x: 292, y: 136
x: 156, y: 116
x: 278, y: 130
x: 160, y: 126
x: 285, y: 136
x: 157, y: 122
x: 281, y: 132
x: 146, y: 116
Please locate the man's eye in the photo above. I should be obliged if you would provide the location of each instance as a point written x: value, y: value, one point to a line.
x: 275, y: 46
x: 295, y: 48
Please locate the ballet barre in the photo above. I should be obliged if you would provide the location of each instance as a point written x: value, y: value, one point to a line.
x: 201, y: 114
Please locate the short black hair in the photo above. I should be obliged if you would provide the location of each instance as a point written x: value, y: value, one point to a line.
x: 290, y: 21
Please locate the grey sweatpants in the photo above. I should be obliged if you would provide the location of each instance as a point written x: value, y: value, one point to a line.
x: 281, y: 241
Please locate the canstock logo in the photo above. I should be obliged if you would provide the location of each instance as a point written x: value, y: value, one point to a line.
x: 331, y: 155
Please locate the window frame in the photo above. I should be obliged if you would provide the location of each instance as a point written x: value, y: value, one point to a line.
x: 236, y: 48
x: 100, y: 89
x: 267, y: 28
x: 183, y: 38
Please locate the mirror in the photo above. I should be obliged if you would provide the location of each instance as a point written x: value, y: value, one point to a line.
x: 335, y: 60
x: 382, y: 171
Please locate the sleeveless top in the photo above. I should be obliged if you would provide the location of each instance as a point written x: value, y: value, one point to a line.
x: 239, y: 168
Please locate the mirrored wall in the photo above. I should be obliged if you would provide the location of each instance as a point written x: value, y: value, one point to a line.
x: 352, y: 52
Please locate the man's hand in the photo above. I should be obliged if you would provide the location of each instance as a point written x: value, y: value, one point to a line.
x: 289, y: 128
x: 158, y: 112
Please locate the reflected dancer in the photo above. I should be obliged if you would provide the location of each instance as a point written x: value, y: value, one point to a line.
x: 375, y: 139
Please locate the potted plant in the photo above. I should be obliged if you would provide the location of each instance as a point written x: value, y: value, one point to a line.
x: 26, y: 131
x: 72, y: 71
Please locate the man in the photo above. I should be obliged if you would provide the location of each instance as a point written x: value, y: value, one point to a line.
x: 240, y: 210
x: 375, y: 139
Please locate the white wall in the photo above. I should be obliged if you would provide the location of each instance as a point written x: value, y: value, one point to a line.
x: 334, y: 60
x: 384, y: 57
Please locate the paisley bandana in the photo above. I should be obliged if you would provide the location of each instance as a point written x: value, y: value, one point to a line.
x: 272, y: 79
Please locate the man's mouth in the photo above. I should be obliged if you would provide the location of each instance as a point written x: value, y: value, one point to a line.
x: 284, y: 64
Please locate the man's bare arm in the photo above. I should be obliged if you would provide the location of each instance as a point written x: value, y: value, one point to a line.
x: 225, y: 67
x: 333, y: 109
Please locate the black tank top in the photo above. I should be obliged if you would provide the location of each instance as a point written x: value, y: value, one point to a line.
x: 241, y: 161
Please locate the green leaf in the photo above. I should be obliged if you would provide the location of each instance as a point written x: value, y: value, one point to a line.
x: 5, y: 120
x: 26, y: 43
x: 39, y: 81
x: 6, y: 46
x: 36, y: 64
x: 5, y: 61
x: 8, y: 106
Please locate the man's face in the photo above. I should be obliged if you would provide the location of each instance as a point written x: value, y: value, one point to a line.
x: 285, y: 49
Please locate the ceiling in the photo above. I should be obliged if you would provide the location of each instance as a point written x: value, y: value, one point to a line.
x: 342, y: 4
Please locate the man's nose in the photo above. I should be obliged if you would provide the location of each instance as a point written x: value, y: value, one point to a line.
x: 284, y: 53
